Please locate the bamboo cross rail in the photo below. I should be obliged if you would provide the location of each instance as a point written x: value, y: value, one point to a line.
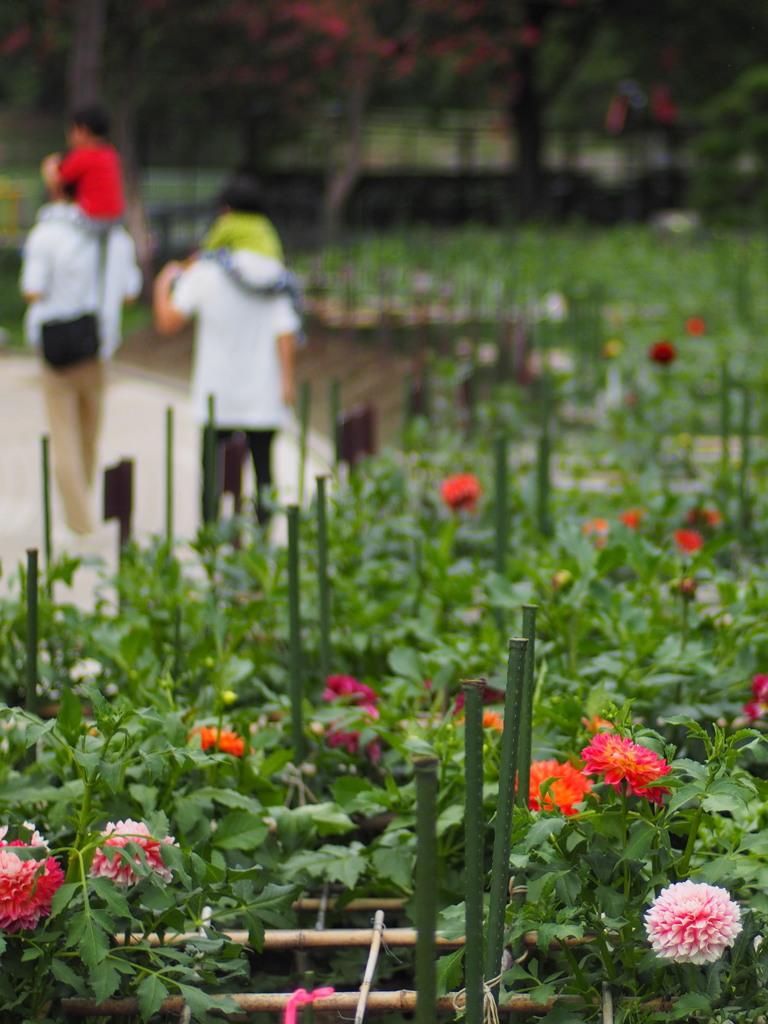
x: 298, y: 938
x: 403, y: 1000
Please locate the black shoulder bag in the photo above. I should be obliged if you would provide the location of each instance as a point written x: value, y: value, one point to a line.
x: 67, y: 342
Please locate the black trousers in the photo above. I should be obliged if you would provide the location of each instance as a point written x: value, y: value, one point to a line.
x: 260, y: 445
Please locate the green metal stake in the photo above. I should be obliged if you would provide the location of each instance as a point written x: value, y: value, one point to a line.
x: 542, y: 477
x: 725, y: 424
x: 335, y: 410
x: 169, y: 476
x: 474, y: 829
x: 32, y: 631
x: 210, y: 468
x: 425, y: 769
x: 47, y: 545
x: 746, y: 410
x: 304, y: 400
x: 504, y: 809
x: 324, y: 597
x: 294, y: 634
x: 501, y: 505
x: 526, y: 709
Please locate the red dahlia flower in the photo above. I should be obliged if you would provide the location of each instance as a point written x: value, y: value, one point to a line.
x: 567, y: 786
x: 696, y: 325
x: 705, y: 516
x: 662, y: 352
x: 619, y: 760
x: 461, y: 491
x: 688, y: 541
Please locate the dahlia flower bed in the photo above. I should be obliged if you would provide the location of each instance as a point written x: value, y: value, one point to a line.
x: 239, y: 728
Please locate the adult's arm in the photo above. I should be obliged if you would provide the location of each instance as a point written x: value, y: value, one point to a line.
x: 168, y: 319
x: 286, y: 350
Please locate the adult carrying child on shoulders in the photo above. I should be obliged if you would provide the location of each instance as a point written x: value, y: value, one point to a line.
x: 244, y: 304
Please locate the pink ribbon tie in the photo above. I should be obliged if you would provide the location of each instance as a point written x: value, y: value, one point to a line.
x: 300, y: 997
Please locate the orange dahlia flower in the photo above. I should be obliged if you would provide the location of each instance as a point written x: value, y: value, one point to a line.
x: 620, y: 760
x: 566, y: 786
x: 225, y: 741
x: 632, y: 517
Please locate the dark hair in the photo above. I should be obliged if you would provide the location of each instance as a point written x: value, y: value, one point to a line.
x: 94, y: 118
x: 244, y: 193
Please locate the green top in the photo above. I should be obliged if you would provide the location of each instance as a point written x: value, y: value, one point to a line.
x: 244, y: 231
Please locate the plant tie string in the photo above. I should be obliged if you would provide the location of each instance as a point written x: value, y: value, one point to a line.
x: 300, y: 997
x: 490, y: 1006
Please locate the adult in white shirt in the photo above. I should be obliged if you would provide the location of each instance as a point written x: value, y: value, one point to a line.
x: 67, y: 272
x: 246, y: 328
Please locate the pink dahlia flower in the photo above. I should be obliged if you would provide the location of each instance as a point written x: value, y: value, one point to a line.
x: 692, y: 922
x: 118, y: 835
x: 26, y: 889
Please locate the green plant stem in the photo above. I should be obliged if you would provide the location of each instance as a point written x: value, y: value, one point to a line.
x: 685, y: 861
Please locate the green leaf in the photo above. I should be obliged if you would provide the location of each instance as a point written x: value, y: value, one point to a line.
x: 63, y: 896
x: 406, y: 662
x: 395, y: 864
x: 450, y: 972
x: 150, y: 993
x: 70, y: 716
x: 104, y: 980
x: 90, y: 940
x: 64, y: 973
x: 240, y: 831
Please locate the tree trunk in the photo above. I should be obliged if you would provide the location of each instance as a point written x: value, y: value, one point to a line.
x: 526, y: 112
x: 84, y: 75
x: 347, y: 162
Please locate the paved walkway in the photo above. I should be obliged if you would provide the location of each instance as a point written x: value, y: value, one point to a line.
x: 134, y: 428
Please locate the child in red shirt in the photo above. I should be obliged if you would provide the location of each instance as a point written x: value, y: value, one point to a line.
x: 91, y: 167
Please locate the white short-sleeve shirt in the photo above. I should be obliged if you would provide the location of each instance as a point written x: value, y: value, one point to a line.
x: 236, y: 356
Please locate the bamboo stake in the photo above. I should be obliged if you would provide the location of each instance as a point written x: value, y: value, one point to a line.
x: 294, y: 634
x: 324, y: 604
x: 474, y: 830
x: 370, y: 967
x: 425, y: 769
x: 504, y: 811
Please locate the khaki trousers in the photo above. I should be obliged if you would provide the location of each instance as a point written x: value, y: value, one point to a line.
x: 74, y: 399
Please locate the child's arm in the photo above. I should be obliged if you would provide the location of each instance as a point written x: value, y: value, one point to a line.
x: 50, y: 171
